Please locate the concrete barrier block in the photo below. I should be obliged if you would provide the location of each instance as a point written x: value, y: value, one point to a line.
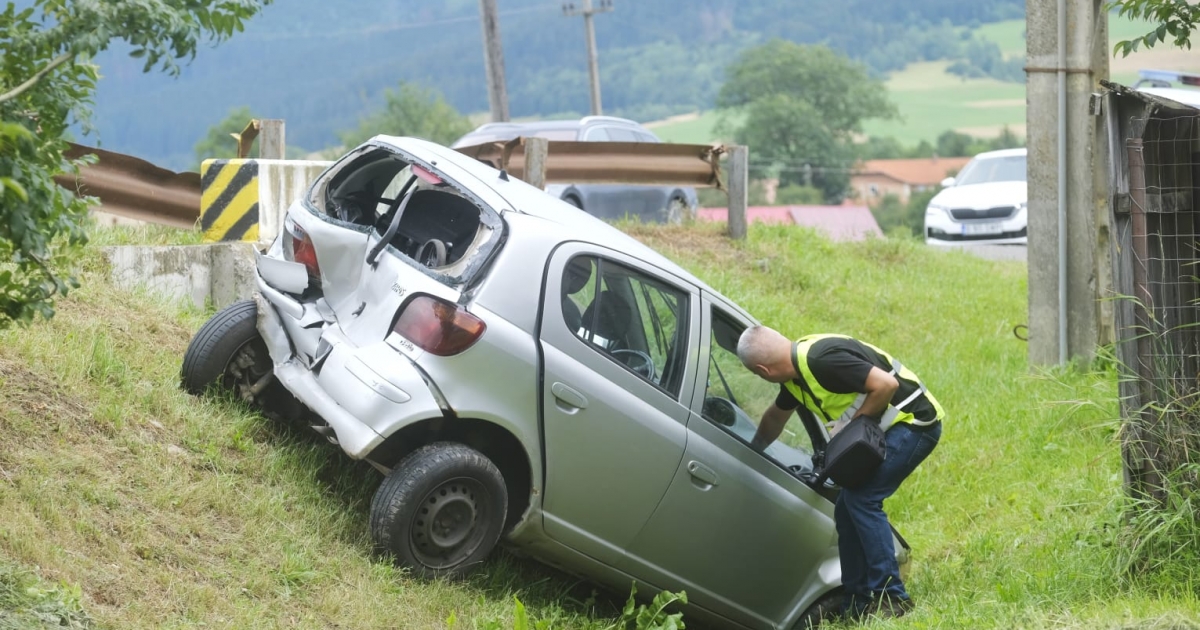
x: 245, y: 200
x: 280, y: 183
x: 220, y: 272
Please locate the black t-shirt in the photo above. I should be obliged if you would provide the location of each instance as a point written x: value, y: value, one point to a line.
x: 840, y: 365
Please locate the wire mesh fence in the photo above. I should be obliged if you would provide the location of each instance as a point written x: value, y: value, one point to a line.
x: 1158, y: 276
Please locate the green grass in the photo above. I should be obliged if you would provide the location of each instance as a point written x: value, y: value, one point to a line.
x: 165, y: 511
x: 147, y: 234
x: 701, y: 130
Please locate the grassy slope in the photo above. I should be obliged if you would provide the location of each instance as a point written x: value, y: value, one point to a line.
x: 931, y: 101
x: 167, y: 511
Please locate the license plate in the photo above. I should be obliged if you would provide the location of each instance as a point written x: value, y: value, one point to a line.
x: 974, y: 229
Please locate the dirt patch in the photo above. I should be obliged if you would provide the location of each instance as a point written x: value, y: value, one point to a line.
x: 673, y: 241
x: 37, y: 397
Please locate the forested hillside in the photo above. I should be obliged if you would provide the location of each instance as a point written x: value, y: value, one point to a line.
x: 322, y: 65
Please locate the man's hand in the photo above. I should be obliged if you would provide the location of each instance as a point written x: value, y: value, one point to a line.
x: 769, y: 428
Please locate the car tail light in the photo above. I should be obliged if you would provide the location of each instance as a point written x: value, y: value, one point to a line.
x: 299, y: 248
x: 437, y: 326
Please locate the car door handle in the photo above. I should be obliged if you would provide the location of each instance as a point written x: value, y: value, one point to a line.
x: 568, y: 396
x: 702, y: 473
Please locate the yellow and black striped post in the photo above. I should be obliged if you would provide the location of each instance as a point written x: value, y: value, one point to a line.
x: 229, y: 200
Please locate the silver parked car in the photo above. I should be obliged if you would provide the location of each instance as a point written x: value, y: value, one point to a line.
x: 654, y: 204
x: 524, y: 373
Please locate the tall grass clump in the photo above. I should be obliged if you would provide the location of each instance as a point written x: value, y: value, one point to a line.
x: 1159, y: 544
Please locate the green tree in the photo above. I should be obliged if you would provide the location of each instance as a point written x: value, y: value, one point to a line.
x: 795, y: 195
x: 411, y: 111
x: 46, y: 81
x: 898, y: 219
x: 1174, y: 18
x: 799, y: 108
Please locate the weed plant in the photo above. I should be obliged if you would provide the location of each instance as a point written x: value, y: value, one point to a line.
x: 163, y: 510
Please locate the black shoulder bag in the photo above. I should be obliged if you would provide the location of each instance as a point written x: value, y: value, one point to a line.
x: 853, y: 455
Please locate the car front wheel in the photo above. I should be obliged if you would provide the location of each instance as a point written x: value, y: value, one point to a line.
x: 441, y: 510
x: 678, y: 210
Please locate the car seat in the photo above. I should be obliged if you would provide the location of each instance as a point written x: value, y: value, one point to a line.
x: 575, y: 278
x: 608, y: 317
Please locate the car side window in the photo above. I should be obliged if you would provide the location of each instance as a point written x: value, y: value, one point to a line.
x: 629, y: 316
x: 735, y: 397
x: 597, y: 134
x: 363, y: 189
x: 618, y: 134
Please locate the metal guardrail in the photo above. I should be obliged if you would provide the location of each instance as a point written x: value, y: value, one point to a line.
x: 608, y: 162
x: 134, y: 188
x: 131, y: 187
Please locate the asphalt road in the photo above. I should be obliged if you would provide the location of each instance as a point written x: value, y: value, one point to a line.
x: 991, y: 252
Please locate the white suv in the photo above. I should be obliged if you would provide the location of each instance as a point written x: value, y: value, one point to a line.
x: 985, y: 204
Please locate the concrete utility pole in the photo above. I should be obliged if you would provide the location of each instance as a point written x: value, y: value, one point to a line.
x: 493, y: 61
x: 1070, y: 266
x: 593, y: 65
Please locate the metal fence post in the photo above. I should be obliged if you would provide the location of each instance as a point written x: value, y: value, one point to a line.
x: 536, y: 150
x: 271, y: 139
x: 738, y: 186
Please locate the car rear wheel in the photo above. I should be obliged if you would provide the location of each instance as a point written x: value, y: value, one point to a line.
x: 574, y: 201
x: 228, y: 353
x: 440, y: 511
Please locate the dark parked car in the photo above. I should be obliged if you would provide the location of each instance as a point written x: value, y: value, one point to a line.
x: 657, y: 204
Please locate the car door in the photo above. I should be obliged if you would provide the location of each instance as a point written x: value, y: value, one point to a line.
x: 616, y: 339
x: 737, y: 530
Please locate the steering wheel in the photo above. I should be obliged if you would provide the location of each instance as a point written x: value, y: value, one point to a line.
x: 432, y: 253
x: 642, y: 363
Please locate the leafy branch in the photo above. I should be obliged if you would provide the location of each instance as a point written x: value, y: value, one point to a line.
x: 1176, y: 19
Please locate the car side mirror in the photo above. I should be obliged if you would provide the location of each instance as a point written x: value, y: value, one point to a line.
x: 948, y: 182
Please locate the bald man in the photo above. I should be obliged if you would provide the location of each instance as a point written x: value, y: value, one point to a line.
x: 838, y: 379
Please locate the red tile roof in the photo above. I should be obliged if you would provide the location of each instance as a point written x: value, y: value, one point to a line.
x: 916, y: 171
x: 839, y: 223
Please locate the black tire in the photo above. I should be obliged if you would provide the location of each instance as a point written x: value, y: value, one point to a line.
x: 227, y: 353
x: 440, y: 511
x: 677, y: 209
x: 828, y: 607
x: 574, y: 201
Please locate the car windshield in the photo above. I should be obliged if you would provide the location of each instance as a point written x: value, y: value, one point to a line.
x: 993, y: 169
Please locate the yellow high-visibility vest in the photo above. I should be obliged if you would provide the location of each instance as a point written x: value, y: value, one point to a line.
x: 839, y: 409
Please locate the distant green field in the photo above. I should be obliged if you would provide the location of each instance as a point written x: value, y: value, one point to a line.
x: 931, y: 101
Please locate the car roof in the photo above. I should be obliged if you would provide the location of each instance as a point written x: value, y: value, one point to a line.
x: 1022, y: 151
x: 556, y: 124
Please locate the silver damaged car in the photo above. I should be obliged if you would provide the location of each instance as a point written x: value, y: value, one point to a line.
x: 526, y: 374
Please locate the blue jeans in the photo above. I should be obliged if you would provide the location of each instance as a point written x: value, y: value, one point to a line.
x: 865, y: 544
